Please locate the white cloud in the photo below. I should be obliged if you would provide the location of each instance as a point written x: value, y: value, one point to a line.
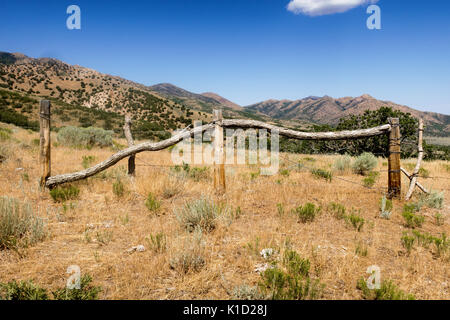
x: 323, y: 7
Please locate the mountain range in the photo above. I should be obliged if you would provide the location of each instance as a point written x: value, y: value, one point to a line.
x: 171, y: 107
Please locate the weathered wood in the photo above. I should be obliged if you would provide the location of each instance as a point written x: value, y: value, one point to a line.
x: 419, y: 161
x: 394, y: 181
x: 418, y: 184
x: 129, y: 137
x: 219, y: 153
x: 218, y: 126
x: 340, y: 135
x: 146, y: 146
x: 44, y: 150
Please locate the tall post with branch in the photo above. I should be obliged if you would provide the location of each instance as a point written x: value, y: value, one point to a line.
x: 219, y: 153
x: 129, y: 137
x: 415, y: 173
x: 44, y: 144
x: 394, y: 181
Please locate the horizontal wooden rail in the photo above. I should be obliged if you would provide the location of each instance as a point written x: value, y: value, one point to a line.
x: 338, y: 135
x: 156, y: 146
x: 146, y: 146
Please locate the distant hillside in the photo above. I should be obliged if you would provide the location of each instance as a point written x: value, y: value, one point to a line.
x: 222, y: 100
x: 328, y: 110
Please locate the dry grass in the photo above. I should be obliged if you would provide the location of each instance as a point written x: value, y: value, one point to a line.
x: 96, y: 230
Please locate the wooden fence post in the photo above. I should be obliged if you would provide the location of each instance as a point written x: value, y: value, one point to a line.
x: 44, y: 153
x: 219, y: 153
x: 395, y: 182
x: 129, y: 137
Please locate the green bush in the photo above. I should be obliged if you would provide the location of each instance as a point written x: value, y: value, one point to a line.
x: 322, y: 174
x: 291, y: 281
x: 386, y: 207
x: 65, y: 193
x: 337, y: 210
x: 342, y: 163
x: 22, y: 290
x: 85, y: 292
x: 407, y: 242
x: 19, y: 226
x: 118, y: 188
x: 306, y: 213
x: 84, y: 137
x: 364, y: 163
x: 152, y: 203
x: 433, y: 200
x: 356, y: 221
x: 201, y: 213
x: 412, y: 220
x: 371, y: 179
x: 387, y: 291
x: 27, y: 290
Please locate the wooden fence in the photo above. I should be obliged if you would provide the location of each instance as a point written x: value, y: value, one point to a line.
x: 218, y: 124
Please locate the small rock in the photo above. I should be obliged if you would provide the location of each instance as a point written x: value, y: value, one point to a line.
x: 139, y: 248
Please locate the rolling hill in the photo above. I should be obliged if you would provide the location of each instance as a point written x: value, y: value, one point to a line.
x: 82, y: 96
x: 328, y: 110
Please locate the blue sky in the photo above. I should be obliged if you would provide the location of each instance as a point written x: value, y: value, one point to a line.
x: 248, y: 50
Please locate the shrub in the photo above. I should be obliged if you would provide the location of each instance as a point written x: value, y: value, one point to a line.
x: 412, y: 220
x: 337, y: 210
x: 433, y: 200
x: 158, y: 242
x: 119, y: 188
x: 388, y: 291
x: 172, y: 187
x: 5, y: 134
x: 189, y: 257
x: 407, y: 242
x: 440, y: 219
x: 356, y: 221
x: 245, y: 292
x: 19, y: 227
x: 306, y: 213
x: 5, y: 153
x: 201, y: 213
x: 87, y: 161
x: 196, y: 173
x: 322, y: 174
x: 85, y: 292
x: 370, y: 180
x: 284, y: 172
x: 342, y: 163
x: 364, y: 163
x: 152, y: 203
x: 22, y: 290
x: 361, y: 250
x: 27, y: 290
x: 84, y: 137
x: 386, y: 207
x: 65, y: 193
x: 291, y: 281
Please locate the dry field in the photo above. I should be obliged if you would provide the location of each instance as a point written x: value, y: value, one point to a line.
x: 96, y: 230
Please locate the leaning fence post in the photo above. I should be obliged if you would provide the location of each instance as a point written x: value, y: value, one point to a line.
x: 219, y: 153
x: 419, y: 161
x: 44, y: 144
x: 395, y: 182
x: 129, y: 137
